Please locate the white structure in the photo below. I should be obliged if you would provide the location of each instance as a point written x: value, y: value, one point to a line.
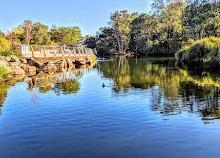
x: 23, y: 49
x: 53, y: 51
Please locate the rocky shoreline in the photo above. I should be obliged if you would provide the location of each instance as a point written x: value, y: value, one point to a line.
x: 20, y: 67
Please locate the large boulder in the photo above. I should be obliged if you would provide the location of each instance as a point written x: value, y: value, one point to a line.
x: 15, y: 69
x: 33, y: 62
x: 7, y: 59
x: 3, y: 63
x: 61, y: 65
x: 23, y: 66
x: 49, y: 67
x: 14, y: 58
x: 41, y: 74
x: 23, y: 61
x: 88, y: 60
x: 30, y: 70
x: 2, y: 58
x: 80, y: 61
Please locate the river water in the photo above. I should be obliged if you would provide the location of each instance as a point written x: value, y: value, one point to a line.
x: 120, y: 108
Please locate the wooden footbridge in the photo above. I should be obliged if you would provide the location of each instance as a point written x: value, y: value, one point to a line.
x: 41, y: 51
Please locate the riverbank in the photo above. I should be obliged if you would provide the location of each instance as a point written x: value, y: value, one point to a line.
x: 15, y: 67
x: 204, y: 52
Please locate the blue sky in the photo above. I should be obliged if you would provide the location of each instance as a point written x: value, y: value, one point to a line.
x: 89, y: 15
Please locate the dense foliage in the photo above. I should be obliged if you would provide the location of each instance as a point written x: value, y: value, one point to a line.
x: 205, y: 51
x: 3, y: 72
x: 39, y: 34
x: 163, y: 31
x: 8, y: 53
x: 4, y: 44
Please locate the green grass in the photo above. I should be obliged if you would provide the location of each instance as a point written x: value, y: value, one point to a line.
x: 3, y: 72
x: 205, y: 51
x: 8, y: 53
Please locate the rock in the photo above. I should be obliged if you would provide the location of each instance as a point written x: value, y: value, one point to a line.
x: 3, y: 63
x: 80, y: 61
x: 14, y: 58
x: 88, y: 60
x: 49, y: 67
x: 42, y: 74
x: 33, y: 62
x: 30, y: 70
x: 2, y: 58
x: 24, y: 61
x: 1, y: 80
x: 7, y: 59
x: 14, y: 64
x: 23, y: 66
x: 61, y: 65
x: 69, y: 63
x: 15, y: 69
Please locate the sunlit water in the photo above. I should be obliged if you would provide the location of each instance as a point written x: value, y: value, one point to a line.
x: 127, y: 108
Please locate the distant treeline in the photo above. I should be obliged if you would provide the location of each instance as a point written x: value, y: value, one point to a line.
x: 39, y: 34
x: 168, y: 26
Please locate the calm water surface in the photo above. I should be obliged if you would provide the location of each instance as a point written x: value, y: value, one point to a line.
x: 120, y: 108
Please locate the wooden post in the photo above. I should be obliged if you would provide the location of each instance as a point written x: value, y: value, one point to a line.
x: 54, y: 51
x: 32, y: 51
x: 74, y: 51
x: 41, y: 51
x: 82, y: 52
x: 85, y: 51
x: 45, y: 52
x: 79, y: 51
x: 62, y: 51
x: 69, y: 51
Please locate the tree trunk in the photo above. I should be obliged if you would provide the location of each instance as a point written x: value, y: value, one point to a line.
x: 119, y: 44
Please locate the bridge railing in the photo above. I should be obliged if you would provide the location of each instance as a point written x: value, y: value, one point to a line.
x: 54, y: 51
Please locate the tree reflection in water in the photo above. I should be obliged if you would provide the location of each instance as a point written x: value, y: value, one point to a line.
x: 4, y: 90
x: 68, y: 86
x: 61, y: 83
x: 3, y: 94
x: 173, y: 90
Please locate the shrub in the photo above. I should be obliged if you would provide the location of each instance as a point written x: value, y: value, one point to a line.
x: 179, y: 54
x: 4, y: 44
x: 7, y: 53
x: 3, y: 72
x: 205, y: 51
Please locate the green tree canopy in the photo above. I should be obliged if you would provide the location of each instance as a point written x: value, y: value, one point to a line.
x: 40, y: 34
x: 70, y: 36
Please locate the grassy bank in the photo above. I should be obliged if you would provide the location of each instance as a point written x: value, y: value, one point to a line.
x: 3, y: 73
x: 8, y: 53
x: 205, y: 52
